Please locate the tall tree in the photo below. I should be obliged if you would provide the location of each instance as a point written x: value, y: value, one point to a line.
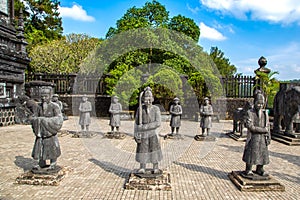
x: 223, y: 64
x: 64, y: 55
x: 185, y: 25
x: 147, y: 36
x: 41, y: 19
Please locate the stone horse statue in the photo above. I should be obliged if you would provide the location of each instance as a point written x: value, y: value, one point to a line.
x: 286, y: 107
x: 238, y: 118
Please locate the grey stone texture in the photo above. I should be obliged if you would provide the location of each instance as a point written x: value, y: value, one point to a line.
x: 101, y: 166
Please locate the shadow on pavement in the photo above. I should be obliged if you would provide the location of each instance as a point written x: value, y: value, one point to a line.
x: 207, y: 170
x: 25, y: 163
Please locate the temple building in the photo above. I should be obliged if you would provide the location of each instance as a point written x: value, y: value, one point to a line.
x: 13, y: 61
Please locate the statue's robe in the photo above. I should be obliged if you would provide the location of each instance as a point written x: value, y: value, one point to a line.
x: 148, y: 150
x: 206, y: 111
x: 176, y: 112
x: 85, y: 117
x: 114, y: 110
x: 45, y: 127
x: 256, y: 148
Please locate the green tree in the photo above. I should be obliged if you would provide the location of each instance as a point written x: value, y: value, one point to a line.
x: 185, y: 25
x: 64, y: 55
x: 41, y: 20
x: 146, y: 38
x: 223, y: 64
x: 269, y: 85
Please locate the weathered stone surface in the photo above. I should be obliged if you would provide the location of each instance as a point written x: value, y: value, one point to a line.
x: 160, y: 182
x: 246, y: 184
x: 174, y: 136
x: 115, y: 135
x: 43, y: 176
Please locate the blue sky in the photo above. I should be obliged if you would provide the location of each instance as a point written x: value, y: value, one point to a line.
x: 243, y: 29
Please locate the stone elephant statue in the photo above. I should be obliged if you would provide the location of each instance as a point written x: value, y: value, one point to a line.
x: 286, y: 107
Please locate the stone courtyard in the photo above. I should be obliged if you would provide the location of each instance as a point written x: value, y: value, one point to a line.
x: 99, y: 167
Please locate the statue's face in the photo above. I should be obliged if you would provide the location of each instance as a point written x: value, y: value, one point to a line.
x: 54, y: 98
x: 176, y: 101
x: 45, y: 97
x: 84, y: 99
x: 259, y: 105
x: 115, y: 100
x: 206, y: 102
x: 148, y: 101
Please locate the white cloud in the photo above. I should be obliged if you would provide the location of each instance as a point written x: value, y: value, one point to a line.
x: 193, y: 10
x: 210, y: 33
x: 279, y: 11
x: 76, y: 12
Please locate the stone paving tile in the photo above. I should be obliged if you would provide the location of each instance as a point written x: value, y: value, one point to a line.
x: 101, y: 166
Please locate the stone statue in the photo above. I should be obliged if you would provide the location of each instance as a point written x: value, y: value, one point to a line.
x: 206, y: 111
x: 258, y: 137
x: 85, y: 108
x: 238, y: 118
x: 45, y: 127
x: 176, y: 112
x: 58, y: 102
x: 148, y: 119
x: 114, y: 110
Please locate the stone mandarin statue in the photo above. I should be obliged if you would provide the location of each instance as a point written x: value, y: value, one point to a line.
x: 85, y: 108
x: 176, y: 112
x: 45, y: 126
x: 114, y: 110
x: 148, y: 119
x: 206, y: 111
x: 258, y: 137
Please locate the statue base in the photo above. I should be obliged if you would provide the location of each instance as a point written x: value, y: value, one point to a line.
x: 287, y: 138
x: 83, y: 134
x: 175, y: 136
x: 43, y: 176
x: 115, y: 135
x: 237, y: 137
x: 149, y: 181
x: 205, y: 138
x: 254, y: 183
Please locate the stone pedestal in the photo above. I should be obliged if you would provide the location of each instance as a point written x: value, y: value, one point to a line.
x: 115, y: 135
x: 43, y: 176
x: 256, y: 183
x: 204, y: 138
x: 237, y: 137
x: 149, y: 181
x: 174, y: 136
x: 83, y: 134
x: 285, y: 138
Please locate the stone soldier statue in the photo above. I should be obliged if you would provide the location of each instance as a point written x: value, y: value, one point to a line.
x: 148, y: 119
x: 176, y: 112
x: 206, y: 111
x: 85, y: 109
x: 45, y: 127
x: 258, y: 137
x: 114, y: 109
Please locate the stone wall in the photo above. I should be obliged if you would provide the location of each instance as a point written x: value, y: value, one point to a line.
x: 226, y: 106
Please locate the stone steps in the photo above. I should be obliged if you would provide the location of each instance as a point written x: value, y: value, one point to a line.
x: 288, y: 140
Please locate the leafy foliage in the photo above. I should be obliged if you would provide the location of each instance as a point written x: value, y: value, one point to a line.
x: 222, y: 63
x: 64, y: 55
x: 41, y: 20
x: 145, y: 39
x: 269, y: 85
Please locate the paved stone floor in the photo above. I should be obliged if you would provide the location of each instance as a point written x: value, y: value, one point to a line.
x: 101, y: 166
